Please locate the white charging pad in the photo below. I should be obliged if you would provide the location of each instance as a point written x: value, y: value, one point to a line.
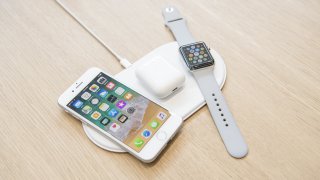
x: 183, y: 102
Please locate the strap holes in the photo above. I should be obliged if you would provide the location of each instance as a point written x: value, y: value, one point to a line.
x: 217, y: 104
x: 215, y: 99
x: 221, y: 114
x: 227, y: 125
x: 219, y: 109
x: 224, y: 119
x: 213, y: 94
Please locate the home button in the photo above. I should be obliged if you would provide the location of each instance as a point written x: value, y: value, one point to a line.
x: 162, y: 135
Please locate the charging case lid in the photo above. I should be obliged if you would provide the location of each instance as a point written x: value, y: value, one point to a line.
x: 183, y: 102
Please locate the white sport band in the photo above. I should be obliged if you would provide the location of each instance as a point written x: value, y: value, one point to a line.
x: 219, y: 110
x: 177, y: 25
x: 227, y: 127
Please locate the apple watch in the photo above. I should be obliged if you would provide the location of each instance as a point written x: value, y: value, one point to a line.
x: 199, y: 60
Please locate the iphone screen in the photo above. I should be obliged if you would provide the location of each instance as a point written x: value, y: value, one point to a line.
x: 125, y: 114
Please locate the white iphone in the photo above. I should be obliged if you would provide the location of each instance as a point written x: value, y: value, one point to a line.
x: 137, y: 124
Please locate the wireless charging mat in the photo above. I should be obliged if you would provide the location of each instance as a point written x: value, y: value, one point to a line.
x: 183, y: 102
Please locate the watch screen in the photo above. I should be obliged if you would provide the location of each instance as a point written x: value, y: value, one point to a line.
x: 196, y: 55
x: 125, y: 114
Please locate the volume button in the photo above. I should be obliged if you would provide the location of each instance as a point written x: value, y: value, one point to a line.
x: 75, y: 117
x: 80, y: 119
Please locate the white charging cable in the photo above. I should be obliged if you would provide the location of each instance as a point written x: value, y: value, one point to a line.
x: 123, y: 61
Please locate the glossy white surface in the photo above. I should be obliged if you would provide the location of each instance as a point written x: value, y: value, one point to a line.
x: 176, y: 102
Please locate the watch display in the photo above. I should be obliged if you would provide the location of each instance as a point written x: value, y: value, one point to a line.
x: 196, y: 55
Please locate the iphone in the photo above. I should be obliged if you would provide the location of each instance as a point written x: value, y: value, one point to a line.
x: 138, y: 125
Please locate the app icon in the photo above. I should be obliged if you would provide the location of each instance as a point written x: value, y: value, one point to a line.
x: 113, y: 113
x: 154, y: 124
x: 114, y: 127
x: 77, y: 103
x: 86, y: 109
x: 103, y: 93
x: 119, y: 91
x: 94, y: 101
x: 95, y: 115
x: 122, y: 118
x: 104, y: 107
x: 128, y: 96
x: 112, y: 98
x: 86, y: 95
x: 102, y: 80
x: 131, y: 110
x: 110, y: 85
x: 121, y: 104
x: 162, y: 116
x: 146, y: 133
x: 94, y: 88
x: 138, y: 142
x: 105, y: 121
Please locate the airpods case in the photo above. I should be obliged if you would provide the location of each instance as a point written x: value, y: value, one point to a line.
x: 160, y: 77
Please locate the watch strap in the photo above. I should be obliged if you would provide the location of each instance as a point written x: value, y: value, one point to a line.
x: 177, y: 25
x: 224, y: 121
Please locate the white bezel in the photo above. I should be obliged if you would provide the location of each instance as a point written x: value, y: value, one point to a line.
x: 151, y: 150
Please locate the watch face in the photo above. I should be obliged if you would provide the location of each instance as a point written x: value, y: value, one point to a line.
x: 196, y: 55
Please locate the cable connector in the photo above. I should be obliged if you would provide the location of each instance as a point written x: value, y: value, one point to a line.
x: 125, y: 63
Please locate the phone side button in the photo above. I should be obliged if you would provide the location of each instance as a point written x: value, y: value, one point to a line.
x: 162, y: 135
x: 75, y: 117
